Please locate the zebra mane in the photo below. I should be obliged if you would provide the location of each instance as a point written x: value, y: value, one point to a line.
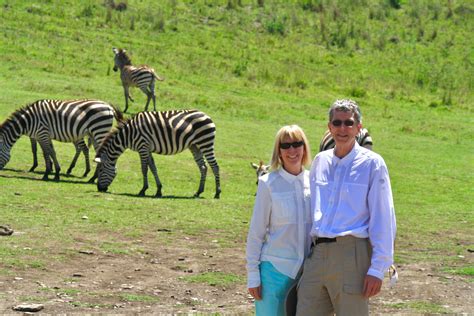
x: 111, y: 135
x: 15, y: 115
x: 126, y: 59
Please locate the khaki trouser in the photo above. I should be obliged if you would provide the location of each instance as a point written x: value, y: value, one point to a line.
x: 333, y: 278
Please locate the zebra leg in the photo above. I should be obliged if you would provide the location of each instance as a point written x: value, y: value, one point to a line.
x: 127, y: 96
x: 152, y: 93
x: 144, y: 159
x: 48, y: 152
x: 76, y: 156
x: 34, y: 149
x: 97, y: 167
x: 85, y: 150
x: 151, y: 163
x: 211, y: 160
x: 148, y: 96
x: 199, y: 159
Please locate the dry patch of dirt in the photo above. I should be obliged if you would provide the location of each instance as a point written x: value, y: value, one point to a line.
x: 156, y: 280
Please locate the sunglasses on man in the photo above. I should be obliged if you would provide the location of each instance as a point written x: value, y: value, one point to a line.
x: 293, y: 144
x: 347, y: 123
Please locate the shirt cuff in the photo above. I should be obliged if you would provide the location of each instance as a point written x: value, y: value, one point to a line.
x: 253, y: 279
x: 376, y: 273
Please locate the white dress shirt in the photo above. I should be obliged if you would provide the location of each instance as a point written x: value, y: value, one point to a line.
x: 353, y: 196
x: 280, y: 225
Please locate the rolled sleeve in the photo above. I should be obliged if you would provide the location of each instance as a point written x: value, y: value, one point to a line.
x: 382, y: 223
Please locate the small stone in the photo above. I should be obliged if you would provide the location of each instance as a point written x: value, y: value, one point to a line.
x: 28, y: 307
x: 86, y: 252
x: 77, y: 275
x: 85, y: 217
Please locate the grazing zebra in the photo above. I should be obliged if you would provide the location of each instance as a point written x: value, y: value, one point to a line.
x: 142, y: 77
x: 363, y: 138
x: 66, y: 121
x: 165, y: 133
x: 80, y: 146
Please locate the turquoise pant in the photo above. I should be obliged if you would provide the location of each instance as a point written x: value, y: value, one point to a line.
x: 275, y: 285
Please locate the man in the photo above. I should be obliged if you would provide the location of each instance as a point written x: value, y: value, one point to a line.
x: 354, y: 227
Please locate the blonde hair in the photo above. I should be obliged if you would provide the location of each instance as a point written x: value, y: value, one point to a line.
x: 295, y: 133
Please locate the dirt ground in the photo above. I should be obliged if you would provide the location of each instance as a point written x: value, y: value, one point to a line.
x: 154, y: 282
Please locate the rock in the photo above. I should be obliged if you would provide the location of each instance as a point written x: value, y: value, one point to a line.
x: 5, y: 231
x: 86, y: 252
x: 28, y: 307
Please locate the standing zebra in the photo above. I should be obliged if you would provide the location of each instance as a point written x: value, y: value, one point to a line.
x: 66, y: 121
x: 363, y: 138
x: 80, y: 146
x: 165, y: 133
x: 142, y: 77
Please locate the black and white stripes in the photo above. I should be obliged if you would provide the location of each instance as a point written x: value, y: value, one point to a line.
x: 65, y: 121
x: 363, y: 138
x: 142, y: 77
x: 165, y: 133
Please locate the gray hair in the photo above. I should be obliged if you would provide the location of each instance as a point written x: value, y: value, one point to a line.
x: 346, y: 105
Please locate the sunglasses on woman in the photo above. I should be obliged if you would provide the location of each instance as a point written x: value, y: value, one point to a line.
x: 338, y: 123
x: 293, y: 144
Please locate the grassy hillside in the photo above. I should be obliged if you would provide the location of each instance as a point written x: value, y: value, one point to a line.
x: 253, y: 66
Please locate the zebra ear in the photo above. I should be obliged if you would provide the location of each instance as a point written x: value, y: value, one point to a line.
x: 255, y: 166
x: 115, y: 50
x: 97, y: 160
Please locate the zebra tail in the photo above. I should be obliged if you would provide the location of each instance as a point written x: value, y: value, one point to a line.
x: 158, y: 77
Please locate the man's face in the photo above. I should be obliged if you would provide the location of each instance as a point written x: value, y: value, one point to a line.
x: 341, y: 129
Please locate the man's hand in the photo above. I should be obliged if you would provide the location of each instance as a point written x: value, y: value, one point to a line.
x: 372, y: 286
x: 256, y: 292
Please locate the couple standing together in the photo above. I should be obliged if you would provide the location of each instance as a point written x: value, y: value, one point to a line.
x: 331, y: 230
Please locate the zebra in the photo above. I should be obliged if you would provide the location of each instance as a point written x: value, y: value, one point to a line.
x: 261, y: 169
x: 166, y: 133
x: 142, y: 77
x: 363, y: 138
x: 80, y: 146
x: 66, y: 121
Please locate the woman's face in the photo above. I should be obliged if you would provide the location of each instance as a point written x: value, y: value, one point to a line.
x: 291, y: 154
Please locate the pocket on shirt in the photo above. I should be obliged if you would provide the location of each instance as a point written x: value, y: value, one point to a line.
x: 355, y: 195
x: 283, y: 208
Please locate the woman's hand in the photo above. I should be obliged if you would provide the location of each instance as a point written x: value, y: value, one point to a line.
x: 256, y: 292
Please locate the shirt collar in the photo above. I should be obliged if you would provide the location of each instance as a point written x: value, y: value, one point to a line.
x: 291, y: 178
x: 347, y: 158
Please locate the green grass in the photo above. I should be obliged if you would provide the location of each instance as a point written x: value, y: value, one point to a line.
x: 421, y: 307
x: 469, y: 270
x: 129, y: 297
x: 252, y: 69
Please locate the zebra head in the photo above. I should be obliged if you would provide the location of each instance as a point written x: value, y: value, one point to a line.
x: 261, y: 169
x: 121, y: 58
x: 5, y: 149
x: 106, y: 173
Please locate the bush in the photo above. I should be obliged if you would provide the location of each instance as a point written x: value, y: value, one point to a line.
x: 276, y: 26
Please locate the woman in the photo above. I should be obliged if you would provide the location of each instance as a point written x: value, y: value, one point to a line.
x: 278, y: 238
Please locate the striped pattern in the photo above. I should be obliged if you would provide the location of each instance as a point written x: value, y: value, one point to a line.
x: 165, y: 133
x: 80, y: 146
x: 142, y: 77
x: 65, y: 121
x: 363, y: 138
